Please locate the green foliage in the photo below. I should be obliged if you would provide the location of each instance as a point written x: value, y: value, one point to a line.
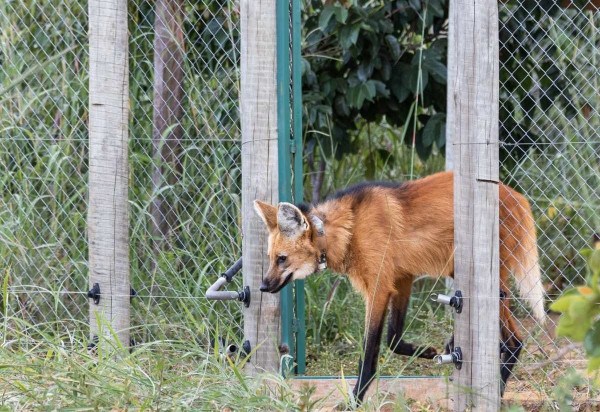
x: 580, y: 309
x: 375, y: 60
x: 563, y: 391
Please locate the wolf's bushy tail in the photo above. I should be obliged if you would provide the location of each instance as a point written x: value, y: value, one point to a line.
x: 527, y: 273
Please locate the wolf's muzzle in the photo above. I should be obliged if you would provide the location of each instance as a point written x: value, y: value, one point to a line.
x: 267, y: 286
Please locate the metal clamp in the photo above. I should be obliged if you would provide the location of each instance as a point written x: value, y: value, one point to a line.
x: 454, y: 357
x: 244, y: 296
x: 455, y: 301
x: 94, y: 293
x: 246, y: 348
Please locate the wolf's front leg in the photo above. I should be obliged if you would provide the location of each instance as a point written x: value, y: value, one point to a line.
x: 399, y: 307
x: 375, y: 314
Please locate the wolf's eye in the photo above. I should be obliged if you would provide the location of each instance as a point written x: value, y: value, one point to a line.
x: 281, y: 259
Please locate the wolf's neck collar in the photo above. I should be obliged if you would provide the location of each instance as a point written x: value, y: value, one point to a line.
x: 321, y: 242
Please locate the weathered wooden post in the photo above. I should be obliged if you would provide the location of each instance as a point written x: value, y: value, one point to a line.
x: 449, y: 282
x: 259, y: 173
x: 473, y: 69
x: 108, y: 219
x: 167, y: 114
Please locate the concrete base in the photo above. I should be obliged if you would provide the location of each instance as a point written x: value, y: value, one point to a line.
x: 334, y: 391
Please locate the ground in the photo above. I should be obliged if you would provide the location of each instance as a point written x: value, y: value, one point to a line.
x: 551, y: 371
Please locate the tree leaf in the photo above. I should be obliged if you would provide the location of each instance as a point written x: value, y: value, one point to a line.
x: 423, y: 151
x: 594, y: 261
x: 325, y: 16
x: 394, y: 47
x: 341, y: 107
x: 370, y: 89
x: 381, y: 88
x: 433, y: 129
x: 349, y: 35
x: 341, y: 13
x: 591, y: 342
x: 436, y: 7
x: 398, y: 84
x: 415, y: 4
x: 579, y: 309
x: 441, y: 139
x: 574, y: 329
x: 562, y: 304
x: 411, y: 79
x: 437, y: 70
x: 365, y: 70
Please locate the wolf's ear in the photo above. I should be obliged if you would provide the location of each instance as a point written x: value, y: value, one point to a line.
x: 290, y: 220
x: 268, y: 214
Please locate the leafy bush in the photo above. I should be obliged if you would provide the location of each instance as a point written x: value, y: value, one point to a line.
x: 580, y: 309
x: 375, y: 60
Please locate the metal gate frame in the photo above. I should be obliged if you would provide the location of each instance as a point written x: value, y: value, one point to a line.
x: 289, y: 129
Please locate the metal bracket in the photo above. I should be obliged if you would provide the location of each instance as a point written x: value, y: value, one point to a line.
x: 244, y: 296
x: 93, y: 343
x: 94, y: 293
x: 214, y: 292
x: 455, y: 301
x: 454, y: 357
x: 246, y: 348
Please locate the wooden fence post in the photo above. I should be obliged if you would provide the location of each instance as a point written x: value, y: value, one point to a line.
x: 259, y: 173
x: 167, y: 116
x: 108, y: 219
x: 449, y: 165
x: 473, y: 69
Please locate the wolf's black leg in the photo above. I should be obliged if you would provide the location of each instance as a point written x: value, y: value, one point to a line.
x: 373, y: 329
x: 511, y: 348
x: 511, y: 344
x: 399, y: 307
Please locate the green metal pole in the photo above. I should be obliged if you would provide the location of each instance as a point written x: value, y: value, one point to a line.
x: 285, y: 161
x: 298, y: 173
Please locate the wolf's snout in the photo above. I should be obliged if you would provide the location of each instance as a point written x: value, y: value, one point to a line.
x: 264, y: 287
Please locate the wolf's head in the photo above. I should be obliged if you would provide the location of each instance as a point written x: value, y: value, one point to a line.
x: 292, y: 250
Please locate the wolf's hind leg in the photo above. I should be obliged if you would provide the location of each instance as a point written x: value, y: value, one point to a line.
x: 511, y: 344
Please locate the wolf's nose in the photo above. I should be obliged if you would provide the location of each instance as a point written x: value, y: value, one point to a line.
x: 264, y: 287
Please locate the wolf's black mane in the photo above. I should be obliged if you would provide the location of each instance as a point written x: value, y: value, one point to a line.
x: 305, y: 208
x: 359, y: 189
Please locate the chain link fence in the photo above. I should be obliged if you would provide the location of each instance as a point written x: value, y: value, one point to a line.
x: 184, y: 167
x: 550, y: 143
x: 185, y: 176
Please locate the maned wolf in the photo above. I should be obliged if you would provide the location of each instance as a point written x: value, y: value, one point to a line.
x: 383, y: 235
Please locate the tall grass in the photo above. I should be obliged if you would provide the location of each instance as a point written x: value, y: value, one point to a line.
x: 43, y: 100
x: 163, y: 375
x: 43, y: 155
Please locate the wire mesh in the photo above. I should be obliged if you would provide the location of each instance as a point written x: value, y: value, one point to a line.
x: 550, y: 143
x: 187, y: 175
x: 184, y: 166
